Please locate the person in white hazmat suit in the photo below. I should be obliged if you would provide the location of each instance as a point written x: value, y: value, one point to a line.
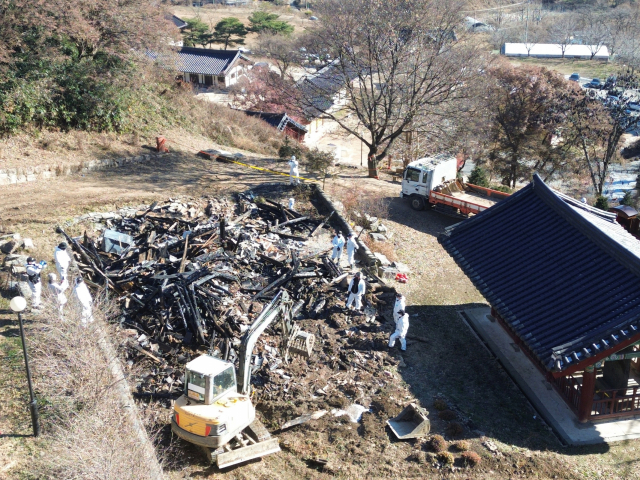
x: 294, y: 173
x: 338, y: 244
x: 400, y: 304
x: 58, y: 289
x: 352, y: 246
x: 35, y: 284
x: 357, y: 288
x: 84, y: 297
x: 63, y: 260
x: 292, y: 202
x: 402, y: 326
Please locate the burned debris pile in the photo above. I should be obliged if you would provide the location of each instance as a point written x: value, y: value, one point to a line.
x: 191, y: 277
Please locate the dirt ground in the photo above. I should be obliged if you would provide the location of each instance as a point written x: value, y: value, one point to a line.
x: 443, y: 361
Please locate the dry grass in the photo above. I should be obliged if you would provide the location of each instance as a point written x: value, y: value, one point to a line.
x: 86, y: 424
x: 471, y: 459
x: 438, y: 443
x: 385, y: 248
x: 462, y: 445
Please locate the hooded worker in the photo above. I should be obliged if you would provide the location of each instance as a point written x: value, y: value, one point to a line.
x: 293, y: 171
x: 58, y: 289
x: 63, y: 260
x: 356, y: 290
x: 292, y: 202
x: 338, y: 244
x: 84, y: 297
x: 352, y: 246
x: 399, y: 305
x: 402, y: 326
x: 33, y: 275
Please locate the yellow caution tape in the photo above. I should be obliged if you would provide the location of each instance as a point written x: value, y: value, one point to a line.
x: 227, y: 160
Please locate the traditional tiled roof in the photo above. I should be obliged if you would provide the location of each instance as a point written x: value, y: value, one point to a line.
x: 277, y: 120
x: 562, y: 275
x: 319, y: 90
x: 206, y: 61
x: 177, y: 21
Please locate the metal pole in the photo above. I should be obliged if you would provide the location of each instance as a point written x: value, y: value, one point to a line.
x: 33, y: 405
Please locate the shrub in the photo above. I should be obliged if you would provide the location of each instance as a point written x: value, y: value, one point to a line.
x: 454, y: 429
x: 479, y: 177
x: 439, y: 404
x: 471, y: 459
x: 602, y: 203
x: 462, y: 445
x: 501, y: 188
x: 438, y: 443
x: 627, y: 199
x: 447, y: 415
x: 289, y: 148
x: 446, y: 458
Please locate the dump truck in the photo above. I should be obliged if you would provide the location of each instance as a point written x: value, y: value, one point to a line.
x: 433, y: 181
x: 215, y: 411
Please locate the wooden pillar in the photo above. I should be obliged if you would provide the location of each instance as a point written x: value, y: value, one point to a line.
x: 586, y: 394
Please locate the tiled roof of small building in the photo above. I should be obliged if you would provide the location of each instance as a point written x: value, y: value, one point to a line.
x: 277, y: 120
x: 206, y: 61
x: 563, y: 276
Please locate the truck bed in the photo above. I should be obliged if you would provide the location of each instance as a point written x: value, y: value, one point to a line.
x: 466, y: 198
x: 476, y: 198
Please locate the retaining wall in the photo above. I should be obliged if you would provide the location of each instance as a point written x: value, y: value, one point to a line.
x: 11, y: 176
x: 327, y: 204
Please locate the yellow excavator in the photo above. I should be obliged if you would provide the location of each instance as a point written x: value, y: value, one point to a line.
x: 215, y: 412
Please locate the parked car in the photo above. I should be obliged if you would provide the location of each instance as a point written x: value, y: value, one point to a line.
x: 574, y: 77
x: 595, y: 83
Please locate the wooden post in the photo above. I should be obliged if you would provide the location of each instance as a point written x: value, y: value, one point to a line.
x: 586, y: 394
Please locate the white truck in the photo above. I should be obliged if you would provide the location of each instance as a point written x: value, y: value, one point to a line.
x: 433, y: 181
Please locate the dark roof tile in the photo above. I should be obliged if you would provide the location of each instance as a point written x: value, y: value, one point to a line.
x: 563, y: 275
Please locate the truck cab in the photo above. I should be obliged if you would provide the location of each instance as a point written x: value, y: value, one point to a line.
x: 211, y: 411
x: 423, y: 175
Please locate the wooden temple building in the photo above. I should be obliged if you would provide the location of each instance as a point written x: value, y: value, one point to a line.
x: 563, y: 280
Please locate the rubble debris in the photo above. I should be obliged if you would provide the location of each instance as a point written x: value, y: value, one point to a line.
x: 303, y: 419
x: 191, y: 276
x: 353, y: 411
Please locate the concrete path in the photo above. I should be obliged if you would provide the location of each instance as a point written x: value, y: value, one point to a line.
x: 539, y: 391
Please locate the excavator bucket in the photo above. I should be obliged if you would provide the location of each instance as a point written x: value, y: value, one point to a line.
x: 257, y: 443
x: 302, y: 344
x: 244, y: 454
x: 411, y: 423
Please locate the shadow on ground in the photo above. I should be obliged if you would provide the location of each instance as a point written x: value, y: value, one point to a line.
x: 448, y: 361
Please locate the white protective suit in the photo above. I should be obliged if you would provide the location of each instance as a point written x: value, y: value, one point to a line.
x: 62, y: 262
x: 292, y: 202
x: 357, y: 295
x: 352, y: 246
x: 399, y: 305
x: 84, y: 297
x: 58, y: 290
x: 293, y: 171
x: 338, y: 244
x: 33, y: 273
x: 402, y: 326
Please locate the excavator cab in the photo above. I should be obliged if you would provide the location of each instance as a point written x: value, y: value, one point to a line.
x: 209, y: 378
x: 215, y: 412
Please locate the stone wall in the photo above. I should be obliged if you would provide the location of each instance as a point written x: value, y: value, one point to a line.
x: 327, y: 204
x: 11, y: 176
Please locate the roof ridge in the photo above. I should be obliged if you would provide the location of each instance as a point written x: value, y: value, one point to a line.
x: 563, y: 208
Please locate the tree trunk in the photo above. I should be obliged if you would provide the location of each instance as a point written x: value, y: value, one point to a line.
x: 372, y: 164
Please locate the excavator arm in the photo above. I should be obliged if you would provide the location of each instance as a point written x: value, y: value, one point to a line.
x: 294, y: 340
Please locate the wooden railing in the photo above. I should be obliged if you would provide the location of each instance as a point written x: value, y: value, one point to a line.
x: 614, y: 405
x: 569, y: 388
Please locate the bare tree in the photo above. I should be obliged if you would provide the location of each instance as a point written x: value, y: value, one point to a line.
x: 594, y: 31
x: 619, y: 23
x: 284, y: 51
x: 396, y: 65
x: 562, y: 29
x: 597, y: 129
